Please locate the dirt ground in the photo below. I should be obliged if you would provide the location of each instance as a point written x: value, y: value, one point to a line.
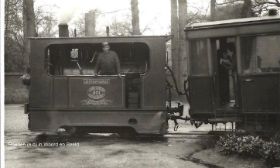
x: 189, y: 147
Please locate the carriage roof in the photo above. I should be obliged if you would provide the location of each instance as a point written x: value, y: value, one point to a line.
x: 234, y: 27
x: 233, y: 22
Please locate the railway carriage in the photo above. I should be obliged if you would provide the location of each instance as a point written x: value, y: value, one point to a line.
x: 247, y: 93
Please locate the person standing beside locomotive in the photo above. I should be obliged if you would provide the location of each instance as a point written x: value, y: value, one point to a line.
x: 224, y: 65
x: 108, y: 62
x: 230, y: 74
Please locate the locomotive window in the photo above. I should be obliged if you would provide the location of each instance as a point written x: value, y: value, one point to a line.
x: 80, y: 59
x: 198, y: 57
x: 260, y: 54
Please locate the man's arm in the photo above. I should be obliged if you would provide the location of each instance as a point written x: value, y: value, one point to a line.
x: 97, y: 66
x: 118, y: 65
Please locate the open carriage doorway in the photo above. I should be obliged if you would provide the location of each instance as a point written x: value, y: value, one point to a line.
x: 225, y: 72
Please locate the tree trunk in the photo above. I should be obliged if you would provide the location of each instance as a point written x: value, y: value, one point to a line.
x: 246, y: 10
x: 90, y: 23
x: 182, y: 61
x: 7, y: 16
x: 213, y: 10
x: 29, y: 29
x: 135, y: 17
x: 175, y: 38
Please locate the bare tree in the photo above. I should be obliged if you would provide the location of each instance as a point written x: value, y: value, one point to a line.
x: 120, y: 28
x: 13, y: 36
x: 135, y: 17
x: 90, y: 23
x: 45, y: 21
x: 213, y: 10
x: 175, y: 37
x: 261, y: 7
x: 182, y: 41
x: 246, y: 10
x: 178, y: 43
x: 29, y: 29
x: 268, y: 2
x: 79, y: 25
x: 196, y: 17
x: 226, y: 2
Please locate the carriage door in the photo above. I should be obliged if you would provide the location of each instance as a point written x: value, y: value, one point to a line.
x: 201, y: 84
x: 225, y: 73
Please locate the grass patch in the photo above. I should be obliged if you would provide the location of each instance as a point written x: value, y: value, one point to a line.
x: 251, y: 146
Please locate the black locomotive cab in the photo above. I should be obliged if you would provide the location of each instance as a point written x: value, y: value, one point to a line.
x: 66, y: 90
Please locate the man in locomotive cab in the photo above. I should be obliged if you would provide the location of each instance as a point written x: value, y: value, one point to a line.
x: 108, y: 62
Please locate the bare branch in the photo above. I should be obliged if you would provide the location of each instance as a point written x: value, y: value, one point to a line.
x: 276, y: 3
x: 229, y: 2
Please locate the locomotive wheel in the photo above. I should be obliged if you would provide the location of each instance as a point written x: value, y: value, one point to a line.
x: 41, y: 138
x: 71, y: 130
x: 76, y: 131
x: 127, y: 134
x: 80, y: 132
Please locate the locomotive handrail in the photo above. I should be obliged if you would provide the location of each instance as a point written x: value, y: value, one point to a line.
x: 120, y: 75
x: 172, y: 111
x: 175, y: 82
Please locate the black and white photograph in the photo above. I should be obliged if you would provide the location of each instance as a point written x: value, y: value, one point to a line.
x: 140, y: 83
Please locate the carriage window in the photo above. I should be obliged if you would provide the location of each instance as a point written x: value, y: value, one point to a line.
x: 80, y: 59
x: 199, y: 58
x: 260, y: 54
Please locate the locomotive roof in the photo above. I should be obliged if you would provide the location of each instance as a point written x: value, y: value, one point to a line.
x: 104, y: 37
x: 233, y: 22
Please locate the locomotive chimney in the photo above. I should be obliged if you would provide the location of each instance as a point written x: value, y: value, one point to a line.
x: 90, y: 23
x: 63, y: 30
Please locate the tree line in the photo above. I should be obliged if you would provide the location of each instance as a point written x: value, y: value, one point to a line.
x: 22, y: 20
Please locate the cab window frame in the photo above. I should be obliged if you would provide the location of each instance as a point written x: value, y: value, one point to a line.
x: 146, y: 58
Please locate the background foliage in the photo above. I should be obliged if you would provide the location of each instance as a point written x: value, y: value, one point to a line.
x: 46, y: 23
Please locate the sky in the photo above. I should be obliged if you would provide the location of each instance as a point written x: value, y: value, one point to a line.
x: 153, y: 14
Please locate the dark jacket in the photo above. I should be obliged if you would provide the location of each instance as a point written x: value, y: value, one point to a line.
x: 108, y: 63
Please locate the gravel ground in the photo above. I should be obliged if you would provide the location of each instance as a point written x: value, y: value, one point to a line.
x: 184, y: 148
x: 94, y: 150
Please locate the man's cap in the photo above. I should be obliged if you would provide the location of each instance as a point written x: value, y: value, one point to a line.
x: 105, y: 44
